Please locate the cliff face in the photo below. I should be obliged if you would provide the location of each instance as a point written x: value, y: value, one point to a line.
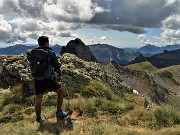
x: 78, y: 48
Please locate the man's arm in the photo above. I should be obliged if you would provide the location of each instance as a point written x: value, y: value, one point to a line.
x: 28, y: 54
x: 54, y: 62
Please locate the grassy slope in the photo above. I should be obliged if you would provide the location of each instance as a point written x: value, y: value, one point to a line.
x: 168, y: 77
x: 130, y: 118
x: 85, y: 128
x: 143, y: 66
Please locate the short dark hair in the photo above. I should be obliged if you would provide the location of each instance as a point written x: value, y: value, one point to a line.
x: 42, y: 40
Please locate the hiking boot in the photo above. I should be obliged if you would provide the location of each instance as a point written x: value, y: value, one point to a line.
x: 61, y: 115
x: 40, y: 120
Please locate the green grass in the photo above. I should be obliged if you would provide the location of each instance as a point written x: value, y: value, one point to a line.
x: 97, y: 89
x: 170, y: 68
x: 166, y: 116
x: 98, y: 115
x: 143, y: 66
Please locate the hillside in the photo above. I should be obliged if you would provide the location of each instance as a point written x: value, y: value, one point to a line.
x: 104, y: 53
x: 168, y: 77
x: 143, y: 66
x: 101, y: 99
x: 94, y: 116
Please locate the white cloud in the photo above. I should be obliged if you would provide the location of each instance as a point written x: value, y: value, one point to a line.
x: 172, y: 21
x: 171, y: 31
x: 5, y: 29
x: 103, y: 38
x: 169, y: 2
x: 170, y: 36
x: 71, y: 10
x: 31, y: 17
x: 143, y: 39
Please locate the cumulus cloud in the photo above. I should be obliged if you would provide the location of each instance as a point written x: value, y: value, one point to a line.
x: 143, y: 39
x: 29, y: 18
x: 169, y: 2
x: 5, y: 29
x: 171, y: 31
x: 172, y: 21
x: 170, y: 36
x: 71, y: 10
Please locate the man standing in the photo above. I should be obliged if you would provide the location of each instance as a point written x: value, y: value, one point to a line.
x: 43, y: 65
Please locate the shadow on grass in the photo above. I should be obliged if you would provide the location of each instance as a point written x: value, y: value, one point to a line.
x: 58, y: 127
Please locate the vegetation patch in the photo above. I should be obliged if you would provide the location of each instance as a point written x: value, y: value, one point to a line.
x: 166, y: 116
x: 96, y: 89
x: 143, y: 66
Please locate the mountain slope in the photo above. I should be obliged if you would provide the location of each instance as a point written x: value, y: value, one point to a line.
x: 15, y: 49
x: 161, y: 60
x: 143, y: 66
x: 104, y: 53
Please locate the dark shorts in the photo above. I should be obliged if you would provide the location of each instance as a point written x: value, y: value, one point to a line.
x: 45, y: 85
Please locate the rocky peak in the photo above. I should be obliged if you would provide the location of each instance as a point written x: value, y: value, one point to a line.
x: 78, y: 48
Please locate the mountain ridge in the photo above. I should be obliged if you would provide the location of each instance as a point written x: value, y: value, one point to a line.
x: 152, y: 49
x: 161, y: 60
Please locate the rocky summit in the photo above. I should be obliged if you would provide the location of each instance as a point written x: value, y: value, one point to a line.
x: 78, y: 48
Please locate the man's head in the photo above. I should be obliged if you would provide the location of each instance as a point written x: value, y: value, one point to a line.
x: 43, y: 41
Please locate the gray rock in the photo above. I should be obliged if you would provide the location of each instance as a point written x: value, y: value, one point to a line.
x: 78, y: 48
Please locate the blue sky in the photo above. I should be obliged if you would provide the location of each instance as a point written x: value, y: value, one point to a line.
x: 122, y: 23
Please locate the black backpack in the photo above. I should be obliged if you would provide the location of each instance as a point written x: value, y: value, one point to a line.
x: 39, y: 63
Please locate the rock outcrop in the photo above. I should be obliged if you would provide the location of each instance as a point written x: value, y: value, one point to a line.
x: 76, y: 73
x: 78, y: 48
x: 14, y: 71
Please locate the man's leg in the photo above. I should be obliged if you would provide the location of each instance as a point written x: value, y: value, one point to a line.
x: 60, y: 93
x: 38, y: 105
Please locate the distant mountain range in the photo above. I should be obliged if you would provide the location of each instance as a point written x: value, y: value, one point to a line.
x: 152, y: 49
x: 19, y: 49
x: 104, y: 53
x: 161, y: 60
